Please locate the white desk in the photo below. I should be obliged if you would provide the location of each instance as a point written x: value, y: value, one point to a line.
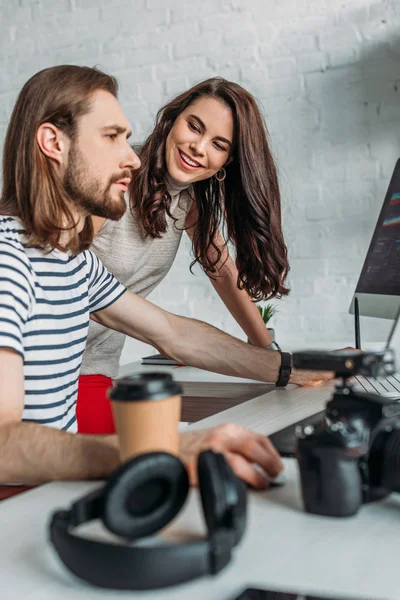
x: 265, y: 413
x: 283, y: 547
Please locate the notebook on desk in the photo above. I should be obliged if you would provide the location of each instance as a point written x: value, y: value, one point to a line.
x: 159, y: 359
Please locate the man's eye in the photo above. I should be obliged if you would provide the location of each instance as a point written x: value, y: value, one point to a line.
x: 193, y: 127
x: 112, y: 136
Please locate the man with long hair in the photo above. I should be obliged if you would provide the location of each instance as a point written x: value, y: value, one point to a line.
x: 66, y: 157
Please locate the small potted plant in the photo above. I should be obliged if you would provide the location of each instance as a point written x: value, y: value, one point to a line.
x: 267, y: 312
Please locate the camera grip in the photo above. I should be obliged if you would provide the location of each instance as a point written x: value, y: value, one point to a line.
x: 330, y: 479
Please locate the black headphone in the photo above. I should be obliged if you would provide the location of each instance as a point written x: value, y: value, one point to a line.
x: 140, y: 498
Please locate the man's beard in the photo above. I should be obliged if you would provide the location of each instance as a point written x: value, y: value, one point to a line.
x: 89, y: 193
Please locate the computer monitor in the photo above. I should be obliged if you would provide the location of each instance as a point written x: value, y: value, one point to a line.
x: 378, y: 288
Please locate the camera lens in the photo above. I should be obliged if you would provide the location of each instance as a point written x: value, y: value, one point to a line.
x: 384, y: 460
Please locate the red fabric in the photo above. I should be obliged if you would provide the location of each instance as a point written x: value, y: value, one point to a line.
x: 93, y: 409
x: 6, y: 491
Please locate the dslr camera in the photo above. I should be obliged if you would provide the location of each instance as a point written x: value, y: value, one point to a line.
x: 353, y: 455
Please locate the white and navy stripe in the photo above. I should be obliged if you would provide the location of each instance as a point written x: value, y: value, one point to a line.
x: 45, y: 302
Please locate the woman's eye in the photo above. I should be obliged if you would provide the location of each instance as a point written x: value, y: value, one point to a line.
x: 193, y: 127
x: 219, y: 146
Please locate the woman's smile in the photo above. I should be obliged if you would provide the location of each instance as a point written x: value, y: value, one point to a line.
x: 187, y: 161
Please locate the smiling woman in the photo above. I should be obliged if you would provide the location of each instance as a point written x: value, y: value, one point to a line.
x: 200, y: 141
x: 206, y: 165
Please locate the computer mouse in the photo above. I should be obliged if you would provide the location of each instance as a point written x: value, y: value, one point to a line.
x: 278, y: 480
x: 273, y: 482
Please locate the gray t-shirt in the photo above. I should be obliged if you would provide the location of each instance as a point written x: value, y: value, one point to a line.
x: 139, y: 263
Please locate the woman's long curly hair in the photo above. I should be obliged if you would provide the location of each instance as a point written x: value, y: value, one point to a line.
x: 247, y: 201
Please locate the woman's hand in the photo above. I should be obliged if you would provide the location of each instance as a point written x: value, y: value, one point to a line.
x: 251, y: 455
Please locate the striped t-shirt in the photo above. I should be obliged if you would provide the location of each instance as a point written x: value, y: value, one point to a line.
x: 45, y: 303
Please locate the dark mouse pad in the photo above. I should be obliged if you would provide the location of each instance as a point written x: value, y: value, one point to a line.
x: 284, y: 440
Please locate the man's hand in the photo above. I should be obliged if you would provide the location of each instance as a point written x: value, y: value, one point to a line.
x: 251, y: 455
x: 310, y: 378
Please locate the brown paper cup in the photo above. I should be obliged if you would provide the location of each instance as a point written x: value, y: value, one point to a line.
x: 147, y: 410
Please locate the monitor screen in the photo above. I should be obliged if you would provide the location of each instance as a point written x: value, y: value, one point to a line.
x: 381, y: 271
x: 378, y: 288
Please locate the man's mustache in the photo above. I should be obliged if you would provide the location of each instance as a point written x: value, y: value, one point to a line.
x: 125, y: 174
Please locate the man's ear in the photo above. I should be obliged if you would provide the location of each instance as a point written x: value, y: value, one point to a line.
x: 53, y: 143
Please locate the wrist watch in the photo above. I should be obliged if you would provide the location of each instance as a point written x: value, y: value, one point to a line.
x: 285, y: 369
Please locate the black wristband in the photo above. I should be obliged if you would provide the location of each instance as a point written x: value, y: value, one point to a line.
x: 285, y: 369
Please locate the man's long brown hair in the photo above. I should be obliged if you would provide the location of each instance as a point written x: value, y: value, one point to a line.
x: 248, y: 201
x: 32, y: 189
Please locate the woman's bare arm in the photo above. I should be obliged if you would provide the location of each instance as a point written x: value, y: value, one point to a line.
x: 238, y: 302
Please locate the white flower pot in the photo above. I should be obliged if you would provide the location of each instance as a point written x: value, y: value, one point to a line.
x: 271, y: 333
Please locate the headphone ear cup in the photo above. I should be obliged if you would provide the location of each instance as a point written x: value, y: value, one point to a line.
x: 239, y: 515
x: 212, y: 491
x: 144, y: 494
x: 223, y: 495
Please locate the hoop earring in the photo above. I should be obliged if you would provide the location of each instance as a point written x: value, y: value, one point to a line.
x: 222, y: 176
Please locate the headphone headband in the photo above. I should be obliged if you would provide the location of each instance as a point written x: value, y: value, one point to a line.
x: 126, y: 567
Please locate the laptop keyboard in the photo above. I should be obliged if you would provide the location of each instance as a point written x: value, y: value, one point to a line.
x: 384, y: 386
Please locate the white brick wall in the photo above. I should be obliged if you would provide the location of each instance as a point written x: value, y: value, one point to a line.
x: 327, y: 74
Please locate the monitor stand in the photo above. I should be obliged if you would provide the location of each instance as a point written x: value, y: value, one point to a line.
x: 357, y: 324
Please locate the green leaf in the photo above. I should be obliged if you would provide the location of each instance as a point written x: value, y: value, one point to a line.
x: 267, y: 312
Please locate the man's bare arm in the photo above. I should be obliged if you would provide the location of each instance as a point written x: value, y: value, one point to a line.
x: 32, y: 453
x: 189, y: 341
x: 196, y: 343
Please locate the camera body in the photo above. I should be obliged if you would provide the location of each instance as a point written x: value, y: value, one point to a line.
x: 346, y: 363
x: 353, y: 455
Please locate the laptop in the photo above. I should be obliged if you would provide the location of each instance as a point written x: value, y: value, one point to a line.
x: 384, y: 386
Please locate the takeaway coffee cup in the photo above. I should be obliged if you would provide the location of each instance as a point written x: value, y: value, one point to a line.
x: 147, y: 410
